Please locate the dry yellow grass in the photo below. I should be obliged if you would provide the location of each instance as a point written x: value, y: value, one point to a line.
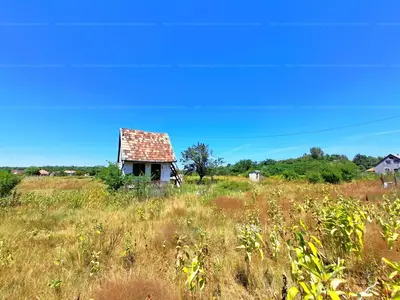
x: 103, y: 246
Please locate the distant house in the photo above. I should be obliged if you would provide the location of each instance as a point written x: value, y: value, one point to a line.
x: 147, y: 153
x: 389, y: 164
x: 44, y: 173
x: 17, y: 172
x: 70, y: 172
x: 255, y: 176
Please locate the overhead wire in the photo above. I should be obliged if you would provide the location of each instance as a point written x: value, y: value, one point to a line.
x: 293, y: 133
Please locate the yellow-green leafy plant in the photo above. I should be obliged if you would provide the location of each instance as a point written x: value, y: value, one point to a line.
x: 316, y: 278
x: 389, y: 219
x: 275, y: 242
x: 250, y: 240
x: 55, y: 284
x: 195, y: 271
x: 390, y: 281
x: 181, y: 252
x: 95, y: 263
x: 344, y: 222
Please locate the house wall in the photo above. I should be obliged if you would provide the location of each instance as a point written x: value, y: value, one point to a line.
x: 165, y: 170
x: 390, y: 164
x: 254, y: 177
x: 147, y: 171
x: 127, y: 167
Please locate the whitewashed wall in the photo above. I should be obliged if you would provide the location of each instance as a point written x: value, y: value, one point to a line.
x: 127, y: 168
x: 147, y: 170
x: 165, y: 172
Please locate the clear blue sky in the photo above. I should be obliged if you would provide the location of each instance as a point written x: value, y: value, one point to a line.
x: 73, y: 72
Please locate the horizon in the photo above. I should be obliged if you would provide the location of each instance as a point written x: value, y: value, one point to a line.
x: 244, y: 79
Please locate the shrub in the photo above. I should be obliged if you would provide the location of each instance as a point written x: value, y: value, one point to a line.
x: 32, y: 171
x: 290, y: 174
x: 332, y: 175
x: 314, y: 177
x: 349, y: 171
x: 112, y: 177
x: 141, y: 185
x: 7, y: 182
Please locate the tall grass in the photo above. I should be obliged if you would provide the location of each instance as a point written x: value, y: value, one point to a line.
x: 72, y: 238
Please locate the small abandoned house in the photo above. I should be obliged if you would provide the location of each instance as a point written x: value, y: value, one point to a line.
x: 147, y: 153
x: 389, y: 164
x: 255, y: 176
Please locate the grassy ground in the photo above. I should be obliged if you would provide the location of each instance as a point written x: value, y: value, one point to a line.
x: 70, y: 239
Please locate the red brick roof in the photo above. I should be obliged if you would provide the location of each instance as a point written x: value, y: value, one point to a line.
x: 138, y: 145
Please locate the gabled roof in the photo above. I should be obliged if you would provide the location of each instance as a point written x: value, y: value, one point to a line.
x: 138, y: 145
x: 395, y: 155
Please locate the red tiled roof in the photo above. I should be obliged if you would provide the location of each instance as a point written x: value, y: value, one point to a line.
x: 138, y: 145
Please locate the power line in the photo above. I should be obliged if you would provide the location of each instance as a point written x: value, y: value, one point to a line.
x: 293, y: 133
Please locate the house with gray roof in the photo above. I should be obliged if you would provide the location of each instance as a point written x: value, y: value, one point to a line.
x: 389, y: 164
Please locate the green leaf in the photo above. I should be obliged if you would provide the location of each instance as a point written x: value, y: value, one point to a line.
x: 333, y: 295
x: 305, y: 287
x: 313, y: 248
x: 292, y: 292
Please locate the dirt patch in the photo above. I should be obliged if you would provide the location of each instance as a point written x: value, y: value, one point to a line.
x: 375, y: 247
x: 229, y: 203
x: 136, y: 289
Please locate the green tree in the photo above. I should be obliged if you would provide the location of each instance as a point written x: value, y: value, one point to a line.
x: 243, y: 166
x: 316, y: 152
x: 199, y: 158
x: 32, y: 171
x: 365, y: 162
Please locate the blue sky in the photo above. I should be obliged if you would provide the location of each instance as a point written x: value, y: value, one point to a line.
x: 73, y: 72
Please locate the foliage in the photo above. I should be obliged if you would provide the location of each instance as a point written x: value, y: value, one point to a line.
x: 199, y: 158
x: 250, y: 240
x: 316, y: 152
x: 232, y: 186
x: 7, y: 182
x: 195, y: 271
x: 391, y: 284
x: 331, y: 175
x: 112, y: 177
x: 314, y: 177
x: 389, y: 219
x: 141, y: 185
x: 365, y: 162
x: 243, y: 166
x: 32, y: 171
x: 316, y: 278
x: 290, y: 174
x: 343, y: 222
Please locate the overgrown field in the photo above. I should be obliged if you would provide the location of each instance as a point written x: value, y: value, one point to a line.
x: 67, y: 238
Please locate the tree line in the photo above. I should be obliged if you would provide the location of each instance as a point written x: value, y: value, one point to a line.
x: 315, y: 166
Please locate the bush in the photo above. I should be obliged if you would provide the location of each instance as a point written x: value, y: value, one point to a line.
x: 314, y: 177
x: 332, y: 175
x: 32, y: 171
x: 112, y: 177
x: 141, y: 185
x: 290, y: 174
x: 7, y: 182
x: 349, y: 171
